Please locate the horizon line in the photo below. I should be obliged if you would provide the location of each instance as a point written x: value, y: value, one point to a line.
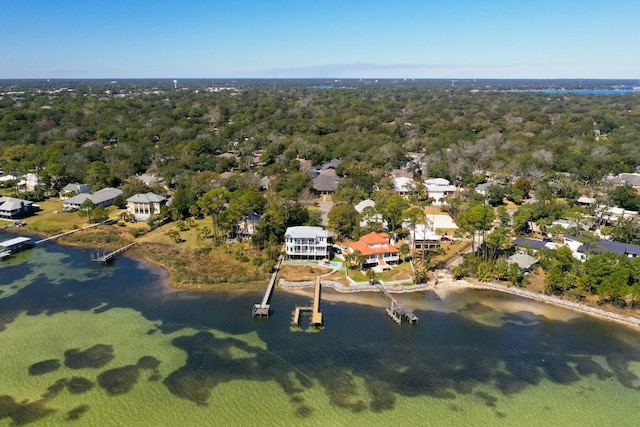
x: 319, y: 78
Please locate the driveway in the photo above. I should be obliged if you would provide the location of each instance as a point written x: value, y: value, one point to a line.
x: 325, y: 207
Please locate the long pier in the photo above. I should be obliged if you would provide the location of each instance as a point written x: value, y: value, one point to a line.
x: 57, y: 236
x: 105, y: 258
x: 398, y: 311
x: 316, y: 314
x: 262, y: 309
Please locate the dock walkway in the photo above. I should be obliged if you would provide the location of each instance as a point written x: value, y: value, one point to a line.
x: 49, y: 239
x: 262, y: 309
x: 316, y: 314
x: 106, y: 258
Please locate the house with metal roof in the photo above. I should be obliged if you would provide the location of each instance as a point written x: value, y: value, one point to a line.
x: 438, y: 189
x: 10, y: 207
x: 74, y: 189
x: 524, y: 261
x: 145, y: 205
x: 304, y: 242
x: 16, y: 244
x: 423, y: 237
x: 104, y: 198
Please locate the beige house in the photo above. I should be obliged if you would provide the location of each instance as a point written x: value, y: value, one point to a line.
x: 145, y: 205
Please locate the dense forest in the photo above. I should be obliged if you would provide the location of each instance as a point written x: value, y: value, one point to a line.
x: 213, y: 143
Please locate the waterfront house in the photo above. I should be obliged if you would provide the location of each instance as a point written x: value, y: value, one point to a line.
x: 247, y: 225
x: 145, y: 205
x: 377, y: 250
x: 524, y: 261
x: 423, y: 238
x: 305, y: 242
x: 10, y: 207
x: 104, y: 198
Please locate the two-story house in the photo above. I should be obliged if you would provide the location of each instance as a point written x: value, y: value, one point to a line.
x: 376, y: 249
x: 145, y: 205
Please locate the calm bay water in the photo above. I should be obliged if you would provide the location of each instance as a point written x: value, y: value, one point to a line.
x: 85, y: 344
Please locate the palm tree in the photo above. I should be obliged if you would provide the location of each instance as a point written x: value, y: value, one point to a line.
x: 371, y: 275
x: 358, y: 259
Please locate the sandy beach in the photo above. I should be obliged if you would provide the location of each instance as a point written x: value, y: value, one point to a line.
x: 446, y: 281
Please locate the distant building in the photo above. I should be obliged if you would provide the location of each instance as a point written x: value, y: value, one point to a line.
x: 29, y: 182
x: 145, y: 205
x: 150, y: 180
x: 367, y: 221
x: 326, y: 183
x: 403, y: 185
x: 438, y: 189
x: 74, y: 189
x: 247, y: 225
x: 304, y: 242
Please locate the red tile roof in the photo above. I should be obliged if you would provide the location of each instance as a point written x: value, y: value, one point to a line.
x: 380, y: 240
x: 374, y: 238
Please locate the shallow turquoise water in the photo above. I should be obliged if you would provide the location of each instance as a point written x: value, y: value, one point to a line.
x: 86, y: 344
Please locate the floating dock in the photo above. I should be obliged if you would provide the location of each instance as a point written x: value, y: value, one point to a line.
x: 398, y: 311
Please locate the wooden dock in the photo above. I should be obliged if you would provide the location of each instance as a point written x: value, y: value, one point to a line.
x: 316, y: 314
x: 398, y: 311
x: 262, y: 309
x: 105, y: 258
x: 57, y: 236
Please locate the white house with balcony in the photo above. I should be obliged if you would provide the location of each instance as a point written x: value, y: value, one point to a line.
x: 438, y: 189
x: 305, y: 242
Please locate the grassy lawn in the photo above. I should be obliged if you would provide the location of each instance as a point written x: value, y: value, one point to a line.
x: 451, y: 250
x: 51, y: 219
x: 295, y: 273
x: 399, y: 272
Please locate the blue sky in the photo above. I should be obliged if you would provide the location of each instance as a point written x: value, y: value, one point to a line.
x: 312, y: 38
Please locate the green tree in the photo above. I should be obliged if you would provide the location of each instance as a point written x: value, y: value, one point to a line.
x: 495, y: 195
x: 343, y: 219
x: 86, y: 209
x: 625, y: 196
x: 392, y: 209
x: 214, y: 202
x: 478, y: 218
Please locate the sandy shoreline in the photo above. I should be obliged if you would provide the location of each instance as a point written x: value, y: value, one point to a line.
x: 447, y: 282
x: 444, y: 281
